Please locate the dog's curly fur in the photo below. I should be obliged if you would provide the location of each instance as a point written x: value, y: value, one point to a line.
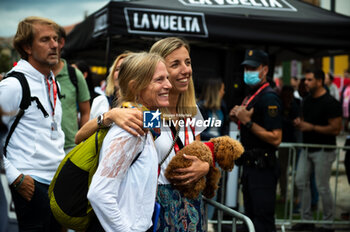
x: 226, y: 151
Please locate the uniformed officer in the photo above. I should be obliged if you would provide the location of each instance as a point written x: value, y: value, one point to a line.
x: 260, y: 124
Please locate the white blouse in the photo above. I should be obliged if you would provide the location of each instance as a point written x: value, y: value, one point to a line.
x: 121, y: 195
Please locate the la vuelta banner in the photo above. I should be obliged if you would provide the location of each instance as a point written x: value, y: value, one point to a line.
x: 281, y: 5
x: 161, y: 22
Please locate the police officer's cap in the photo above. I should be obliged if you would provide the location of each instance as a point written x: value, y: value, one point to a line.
x: 255, y: 58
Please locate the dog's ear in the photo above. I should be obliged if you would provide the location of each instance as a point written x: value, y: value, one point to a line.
x: 212, y: 180
x: 227, y: 150
x: 239, y: 149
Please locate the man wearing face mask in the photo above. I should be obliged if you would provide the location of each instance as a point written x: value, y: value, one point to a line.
x: 260, y: 123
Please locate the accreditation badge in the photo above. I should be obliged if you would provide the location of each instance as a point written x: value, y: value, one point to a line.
x: 54, y: 132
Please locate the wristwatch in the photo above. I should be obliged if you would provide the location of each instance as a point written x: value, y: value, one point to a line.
x: 100, y: 121
x: 249, y: 125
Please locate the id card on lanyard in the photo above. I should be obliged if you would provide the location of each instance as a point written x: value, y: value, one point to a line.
x: 54, y: 131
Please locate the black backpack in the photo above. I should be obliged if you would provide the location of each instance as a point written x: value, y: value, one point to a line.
x: 25, y: 103
x: 73, y: 78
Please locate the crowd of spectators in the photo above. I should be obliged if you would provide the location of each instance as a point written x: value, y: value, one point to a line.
x: 310, y: 110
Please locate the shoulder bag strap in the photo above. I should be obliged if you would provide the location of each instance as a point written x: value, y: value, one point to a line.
x: 25, y: 102
x: 73, y: 78
x: 171, y: 147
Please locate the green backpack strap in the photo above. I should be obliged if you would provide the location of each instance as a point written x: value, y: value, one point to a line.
x: 99, y: 136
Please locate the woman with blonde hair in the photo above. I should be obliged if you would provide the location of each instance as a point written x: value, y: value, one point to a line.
x: 178, y: 213
x: 183, y: 94
x: 123, y: 189
x: 213, y: 107
x: 103, y: 103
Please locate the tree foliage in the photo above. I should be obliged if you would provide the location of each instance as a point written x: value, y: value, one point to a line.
x: 5, y: 62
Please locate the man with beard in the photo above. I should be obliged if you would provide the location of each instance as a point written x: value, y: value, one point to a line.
x: 320, y: 124
x: 34, y: 149
x: 260, y: 122
x: 75, y: 94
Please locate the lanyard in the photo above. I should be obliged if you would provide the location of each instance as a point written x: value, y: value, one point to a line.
x: 186, y: 134
x: 54, y: 89
x: 246, y: 103
x: 178, y: 143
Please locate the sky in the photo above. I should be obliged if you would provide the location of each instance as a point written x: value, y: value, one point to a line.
x: 63, y: 12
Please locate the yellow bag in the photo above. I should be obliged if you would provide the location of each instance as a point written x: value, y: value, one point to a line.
x: 69, y: 187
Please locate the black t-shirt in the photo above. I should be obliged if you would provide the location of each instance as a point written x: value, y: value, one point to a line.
x: 318, y: 111
x: 289, y: 114
x: 267, y: 114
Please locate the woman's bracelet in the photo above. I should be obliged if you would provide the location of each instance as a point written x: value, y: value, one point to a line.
x: 16, y: 186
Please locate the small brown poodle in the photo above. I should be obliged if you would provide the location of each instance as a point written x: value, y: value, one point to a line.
x: 224, y: 150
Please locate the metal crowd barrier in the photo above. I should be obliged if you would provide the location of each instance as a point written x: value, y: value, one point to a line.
x: 235, y: 215
x: 287, y: 219
x: 293, y: 149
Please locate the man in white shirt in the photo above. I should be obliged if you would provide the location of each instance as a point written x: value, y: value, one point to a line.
x: 35, y: 148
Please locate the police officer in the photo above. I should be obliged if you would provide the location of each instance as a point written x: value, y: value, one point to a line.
x: 260, y: 123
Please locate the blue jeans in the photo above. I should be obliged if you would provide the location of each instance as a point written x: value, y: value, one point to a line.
x: 35, y: 215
